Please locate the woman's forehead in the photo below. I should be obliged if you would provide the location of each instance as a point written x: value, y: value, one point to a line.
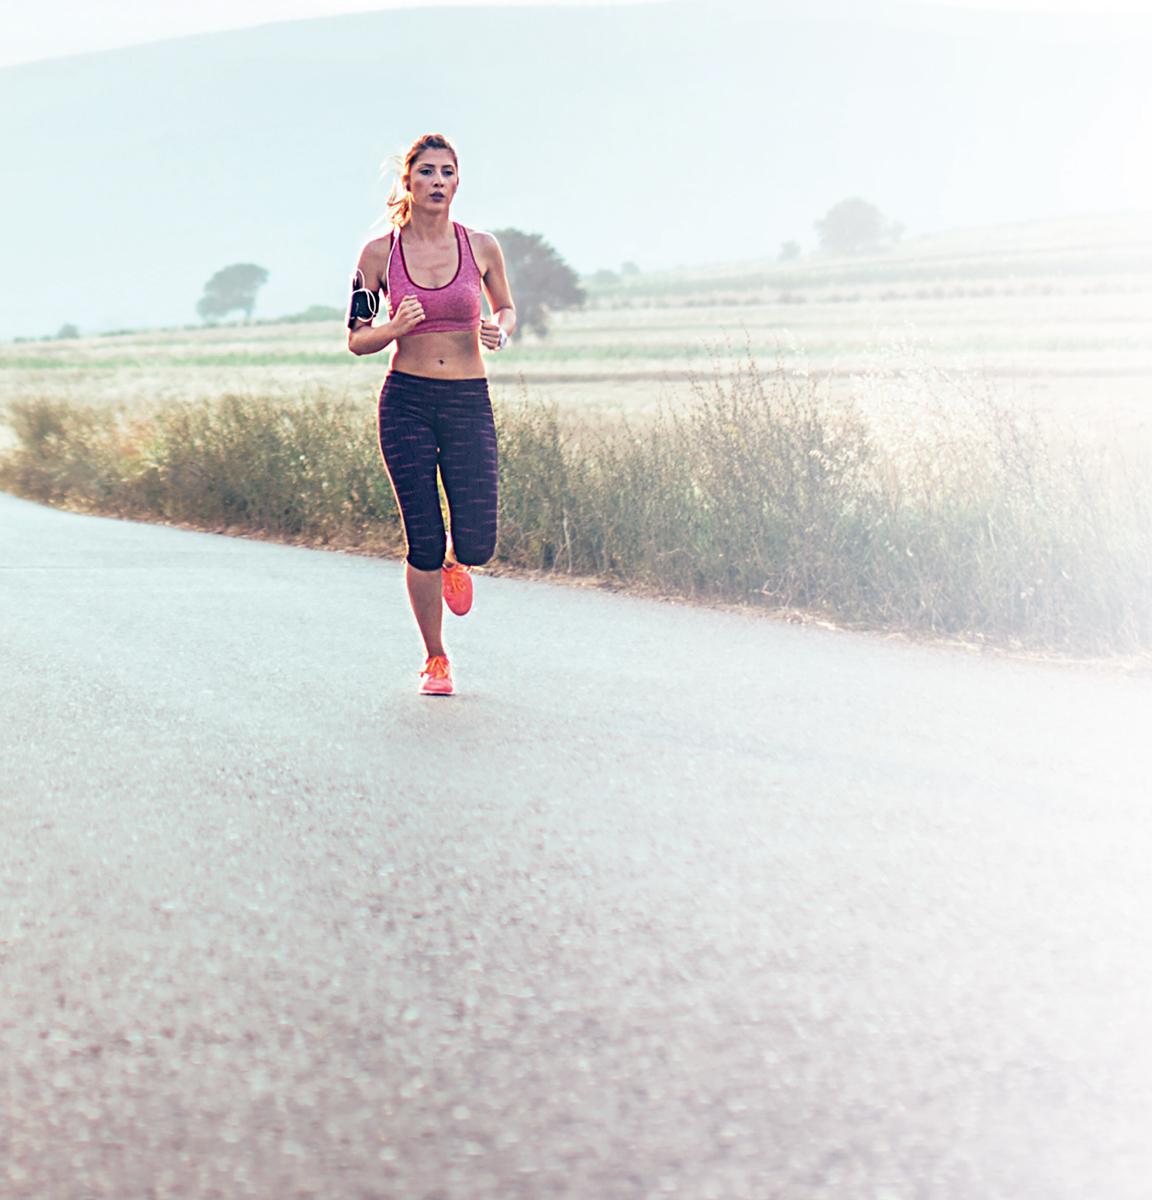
x: 436, y: 157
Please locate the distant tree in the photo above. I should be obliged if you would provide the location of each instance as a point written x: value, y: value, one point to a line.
x: 605, y: 278
x: 789, y: 250
x: 68, y: 331
x: 232, y: 289
x: 541, y: 281
x: 851, y: 225
x: 629, y: 269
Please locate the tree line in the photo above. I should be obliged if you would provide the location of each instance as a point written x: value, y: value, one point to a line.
x: 543, y: 283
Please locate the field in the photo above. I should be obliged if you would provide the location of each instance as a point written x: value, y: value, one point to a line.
x: 948, y: 439
x: 1060, y: 311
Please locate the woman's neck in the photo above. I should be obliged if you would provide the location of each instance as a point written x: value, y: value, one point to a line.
x: 428, y: 227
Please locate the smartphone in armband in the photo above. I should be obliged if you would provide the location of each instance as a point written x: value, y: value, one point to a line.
x: 364, y: 304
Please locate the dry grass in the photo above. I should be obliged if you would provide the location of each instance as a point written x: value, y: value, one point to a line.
x: 307, y: 468
x: 923, y: 503
x: 919, y: 502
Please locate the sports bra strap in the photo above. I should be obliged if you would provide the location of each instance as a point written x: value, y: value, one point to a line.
x: 391, y: 251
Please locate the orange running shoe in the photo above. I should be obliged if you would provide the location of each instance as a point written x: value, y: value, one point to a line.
x: 457, y: 588
x: 436, y: 678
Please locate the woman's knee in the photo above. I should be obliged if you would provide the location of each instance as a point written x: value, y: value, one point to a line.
x: 471, y: 550
x: 426, y: 553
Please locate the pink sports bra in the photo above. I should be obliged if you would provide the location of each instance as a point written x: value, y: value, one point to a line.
x: 453, y: 308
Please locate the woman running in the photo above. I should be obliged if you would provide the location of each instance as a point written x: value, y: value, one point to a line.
x: 434, y: 407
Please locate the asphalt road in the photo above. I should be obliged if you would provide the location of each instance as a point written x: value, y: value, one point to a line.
x: 667, y: 902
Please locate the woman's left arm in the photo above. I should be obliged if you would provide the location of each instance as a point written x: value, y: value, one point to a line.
x: 494, y: 333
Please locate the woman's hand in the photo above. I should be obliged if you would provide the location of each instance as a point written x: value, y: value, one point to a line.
x: 409, y: 314
x: 371, y: 339
x: 490, y: 335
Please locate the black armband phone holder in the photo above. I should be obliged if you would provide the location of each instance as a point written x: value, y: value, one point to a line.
x: 365, y: 304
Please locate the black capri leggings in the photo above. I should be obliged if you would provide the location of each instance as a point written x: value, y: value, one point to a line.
x: 446, y: 423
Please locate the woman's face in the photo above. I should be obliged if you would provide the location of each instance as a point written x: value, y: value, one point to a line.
x: 433, y: 180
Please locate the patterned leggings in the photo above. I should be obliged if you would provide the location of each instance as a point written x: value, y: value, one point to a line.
x: 446, y: 423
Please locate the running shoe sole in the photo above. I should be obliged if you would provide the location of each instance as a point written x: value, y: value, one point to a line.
x: 436, y: 687
x: 457, y: 588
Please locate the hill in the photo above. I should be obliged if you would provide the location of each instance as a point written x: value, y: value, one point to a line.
x: 667, y: 134
x: 1102, y: 252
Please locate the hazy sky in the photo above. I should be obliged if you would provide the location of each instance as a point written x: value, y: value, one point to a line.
x: 34, y: 29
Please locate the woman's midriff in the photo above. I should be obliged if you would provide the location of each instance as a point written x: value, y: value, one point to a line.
x: 439, y: 355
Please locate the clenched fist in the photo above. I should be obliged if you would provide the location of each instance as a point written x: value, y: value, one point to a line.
x: 492, y: 337
x: 409, y: 313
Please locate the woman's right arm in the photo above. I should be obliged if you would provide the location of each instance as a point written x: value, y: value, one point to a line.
x: 365, y: 337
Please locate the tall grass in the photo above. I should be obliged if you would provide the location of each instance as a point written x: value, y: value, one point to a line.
x: 924, y: 503
x: 297, y: 469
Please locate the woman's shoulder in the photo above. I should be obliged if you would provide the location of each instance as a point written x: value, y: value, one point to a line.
x: 374, y: 260
x: 377, y: 247
x: 484, y: 245
x: 478, y: 237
